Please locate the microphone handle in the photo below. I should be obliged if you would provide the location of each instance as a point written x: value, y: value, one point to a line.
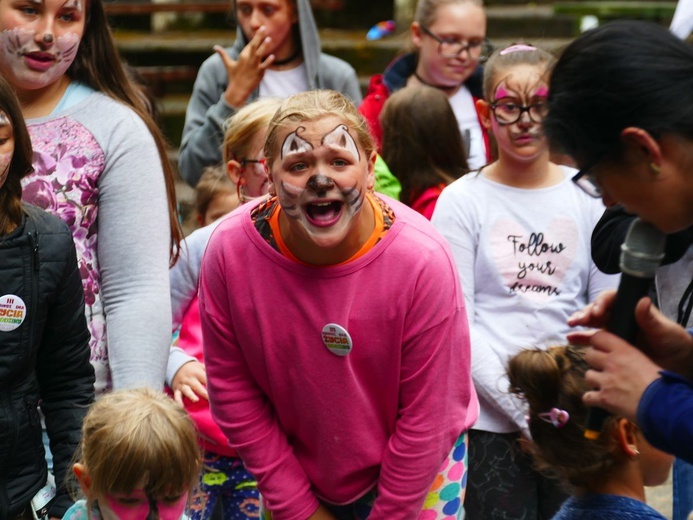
x: 622, y: 323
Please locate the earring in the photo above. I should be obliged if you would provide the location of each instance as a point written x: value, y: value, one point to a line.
x: 635, y: 454
x: 655, y: 167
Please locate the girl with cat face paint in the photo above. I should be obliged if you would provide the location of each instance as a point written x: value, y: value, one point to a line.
x: 352, y: 361
x: 103, y: 176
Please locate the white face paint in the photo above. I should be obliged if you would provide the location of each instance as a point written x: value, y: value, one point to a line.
x: 321, y: 180
x: 32, y: 65
x: 6, y: 147
x: 39, y: 41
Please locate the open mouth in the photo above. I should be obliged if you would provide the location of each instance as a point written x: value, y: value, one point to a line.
x: 323, y: 214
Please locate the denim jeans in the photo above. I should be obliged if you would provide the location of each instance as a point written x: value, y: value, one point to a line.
x: 683, y: 489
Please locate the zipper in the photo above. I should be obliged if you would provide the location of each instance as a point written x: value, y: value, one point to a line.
x: 34, y: 249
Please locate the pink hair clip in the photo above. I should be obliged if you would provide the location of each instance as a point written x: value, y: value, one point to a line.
x: 559, y: 418
x: 517, y: 48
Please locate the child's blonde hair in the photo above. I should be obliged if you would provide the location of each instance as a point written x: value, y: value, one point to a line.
x: 138, y: 434
x: 555, y: 379
x: 512, y: 56
x: 426, y: 10
x: 213, y: 182
x: 311, y: 106
x: 244, y: 125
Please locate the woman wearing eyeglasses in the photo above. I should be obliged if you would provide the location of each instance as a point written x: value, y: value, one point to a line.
x: 520, y: 234
x: 450, y: 40
x: 634, y: 142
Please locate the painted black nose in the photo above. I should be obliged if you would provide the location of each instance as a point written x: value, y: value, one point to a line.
x: 320, y: 183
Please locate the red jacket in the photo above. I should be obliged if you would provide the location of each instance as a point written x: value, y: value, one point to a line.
x: 394, y: 78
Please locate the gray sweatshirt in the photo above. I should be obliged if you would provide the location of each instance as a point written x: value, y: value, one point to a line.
x: 207, y: 111
x: 97, y: 167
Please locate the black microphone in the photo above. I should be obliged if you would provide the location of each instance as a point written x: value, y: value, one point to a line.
x: 641, y: 253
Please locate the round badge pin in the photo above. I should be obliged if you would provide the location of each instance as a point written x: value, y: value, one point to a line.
x: 336, y: 339
x: 12, y: 312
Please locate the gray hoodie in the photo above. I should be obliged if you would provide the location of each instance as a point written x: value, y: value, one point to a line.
x: 207, y: 111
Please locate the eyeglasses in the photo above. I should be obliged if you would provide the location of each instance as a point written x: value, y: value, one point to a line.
x: 508, y: 113
x: 587, y: 182
x: 451, y: 48
x: 259, y: 165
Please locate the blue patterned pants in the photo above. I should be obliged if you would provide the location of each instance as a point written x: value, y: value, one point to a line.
x: 224, y: 479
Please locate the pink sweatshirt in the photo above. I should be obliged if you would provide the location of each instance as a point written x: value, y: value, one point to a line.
x: 190, y: 340
x: 309, y: 423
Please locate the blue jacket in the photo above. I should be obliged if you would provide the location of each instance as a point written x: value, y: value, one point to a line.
x: 665, y: 415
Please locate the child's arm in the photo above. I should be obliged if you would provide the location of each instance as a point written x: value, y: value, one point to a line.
x: 190, y: 381
x: 185, y: 274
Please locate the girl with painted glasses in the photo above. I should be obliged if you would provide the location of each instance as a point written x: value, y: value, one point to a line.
x: 99, y: 164
x: 344, y: 382
x: 138, y: 458
x: 450, y: 41
x: 520, y: 233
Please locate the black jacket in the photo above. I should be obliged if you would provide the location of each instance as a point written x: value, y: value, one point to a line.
x: 610, y: 232
x: 44, y: 357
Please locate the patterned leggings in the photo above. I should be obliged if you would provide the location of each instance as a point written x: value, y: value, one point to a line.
x: 224, y: 479
x: 443, y: 502
x: 503, y: 485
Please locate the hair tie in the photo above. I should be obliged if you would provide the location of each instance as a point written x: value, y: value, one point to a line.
x: 559, y: 418
x: 517, y: 48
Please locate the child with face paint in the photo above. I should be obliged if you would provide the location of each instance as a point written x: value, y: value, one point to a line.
x: 276, y: 54
x: 223, y: 477
x: 43, y: 333
x: 424, y: 152
x: 100, y: 164
x: 344, y: 382
x: 138, y: 460
x: 607, y: 476
x: 215, y: 196
x: 520, y: 233
x: 449, y: 37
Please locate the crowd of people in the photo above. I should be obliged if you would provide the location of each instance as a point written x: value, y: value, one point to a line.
x: 394, y: 307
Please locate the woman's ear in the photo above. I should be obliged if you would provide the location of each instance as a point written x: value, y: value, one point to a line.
x: 641, y: 146
x: 415, y: 31
x: 626, y: 435
x: 370, y: 183
x: 233, y: 170
x: 484, y: 109
x: 82, y: 477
